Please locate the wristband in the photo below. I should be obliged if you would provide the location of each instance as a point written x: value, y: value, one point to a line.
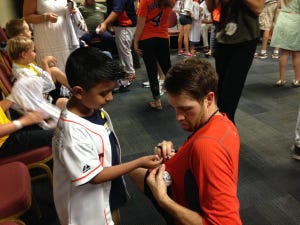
x: 18, y: 124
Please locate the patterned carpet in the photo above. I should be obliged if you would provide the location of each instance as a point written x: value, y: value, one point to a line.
x: 269, y: 190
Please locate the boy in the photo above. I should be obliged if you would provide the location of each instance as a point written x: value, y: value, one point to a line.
x: 19, y: 27
x: 21, y: 52
x: 88, y: 185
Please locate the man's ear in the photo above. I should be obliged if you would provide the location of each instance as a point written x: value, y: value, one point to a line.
x: 210, y: 98
x: 78, y: 92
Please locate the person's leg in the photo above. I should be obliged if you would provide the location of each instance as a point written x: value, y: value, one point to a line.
x: 148, y: 48
x: 186, y: 33
x: 283, y: 61
x: 212, y: 40
x: 26, y: 139
x: 124, y: 37
x: 296, y: 65
x: 59, y: 76
x: 296, y: 146
x: 232, y: 65
x: 205, y: 28
x: 180, y: 40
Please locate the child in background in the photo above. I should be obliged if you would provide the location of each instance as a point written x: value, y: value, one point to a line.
x: 88, y: 185
x: 30, y: 91
x: 21, y: 52
x: 195, y: 32
x: 19, y: 27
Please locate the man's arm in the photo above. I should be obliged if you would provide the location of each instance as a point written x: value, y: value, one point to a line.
x: 158, y: 187
x: 256, y: 6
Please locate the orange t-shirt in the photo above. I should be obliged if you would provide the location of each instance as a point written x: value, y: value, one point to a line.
x: 156, y: 19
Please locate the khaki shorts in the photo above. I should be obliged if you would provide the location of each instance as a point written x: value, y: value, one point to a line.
x: 268, y: 16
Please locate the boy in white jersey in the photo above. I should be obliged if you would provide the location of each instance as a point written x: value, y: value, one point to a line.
x: 22, y: 53
x: 88, y: 184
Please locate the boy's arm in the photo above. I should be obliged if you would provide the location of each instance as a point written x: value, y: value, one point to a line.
x: 113, y: 172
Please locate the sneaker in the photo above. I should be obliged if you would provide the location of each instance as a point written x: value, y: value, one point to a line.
x: 296, y: 152
x: 261, y: 55
x: 180, y: 52
x: 147, y: 83
x: 188, y: 54
x: 161, y: 90
x: 275, y: 55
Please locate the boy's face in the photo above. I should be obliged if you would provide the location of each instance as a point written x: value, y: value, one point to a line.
x: 26, y: 32
x: 29, y: 56
x: 98, y: 96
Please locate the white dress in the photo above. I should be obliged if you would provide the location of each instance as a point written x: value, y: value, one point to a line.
x: 54, y: 39
x: 195, y: 31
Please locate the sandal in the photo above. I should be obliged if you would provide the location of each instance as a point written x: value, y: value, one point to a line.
x: 280, y: 83
x: 155, y: 105
x: 296, y: 83
x: 130, y: 77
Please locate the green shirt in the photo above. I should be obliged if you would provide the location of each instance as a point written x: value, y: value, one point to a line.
x: 93, y: 15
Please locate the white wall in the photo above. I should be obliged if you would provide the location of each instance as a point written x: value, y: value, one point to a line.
x: 7, y: 11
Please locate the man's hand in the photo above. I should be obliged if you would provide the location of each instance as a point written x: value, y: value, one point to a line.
x: 165, y: 149
x: 157, y: 184
x: 101, y: 28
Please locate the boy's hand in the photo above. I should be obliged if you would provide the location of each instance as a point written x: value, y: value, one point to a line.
x: 50, y: 61
x: 165, y: 150
x: 33, y: 117
x: 150, y: 161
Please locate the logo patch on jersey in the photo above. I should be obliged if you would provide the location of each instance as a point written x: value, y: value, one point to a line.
x: 86, y: 168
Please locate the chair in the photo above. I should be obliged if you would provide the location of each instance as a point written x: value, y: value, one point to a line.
x: 5, y: 73
x: 15, y: 194
x: 13, y: 222
x: 34, y: 159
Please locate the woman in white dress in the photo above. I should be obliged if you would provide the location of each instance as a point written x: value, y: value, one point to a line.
x: 53, y: 33
x: 195, y: 32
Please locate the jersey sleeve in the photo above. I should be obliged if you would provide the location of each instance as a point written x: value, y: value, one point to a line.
x: 119, y: 5
x: 79, y: 156
x: 142, y: 9
x: 213, y: 170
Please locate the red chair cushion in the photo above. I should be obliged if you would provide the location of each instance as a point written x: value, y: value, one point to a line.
x: 28, y: 157
x: 15, y: 186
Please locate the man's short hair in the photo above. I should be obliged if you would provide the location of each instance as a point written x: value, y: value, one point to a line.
x: 17, y: 45
x: 14, y: 27
x: 192, y: 76
x: 86, y: 67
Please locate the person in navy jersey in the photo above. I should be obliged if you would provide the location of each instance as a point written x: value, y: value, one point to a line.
x: 122, y: 15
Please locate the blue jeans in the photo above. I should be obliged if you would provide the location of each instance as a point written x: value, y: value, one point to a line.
x: 107, y: 38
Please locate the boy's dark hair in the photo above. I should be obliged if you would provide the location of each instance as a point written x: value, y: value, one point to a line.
x: 86, y: 67
x: 192, y: 76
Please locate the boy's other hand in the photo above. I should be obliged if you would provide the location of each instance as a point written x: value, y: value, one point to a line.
x: 150, y: 161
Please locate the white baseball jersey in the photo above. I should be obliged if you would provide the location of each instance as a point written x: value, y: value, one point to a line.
x: 81, y: 150
x: 34, y: 71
